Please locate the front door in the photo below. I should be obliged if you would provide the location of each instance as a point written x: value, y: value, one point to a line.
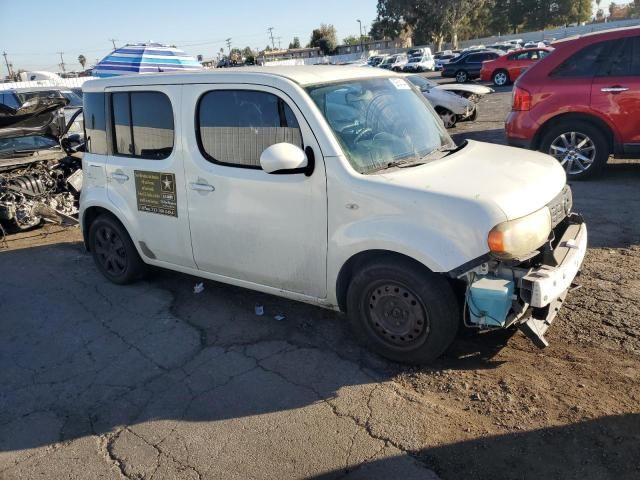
x: 246, y: 224
x: 144, y: 170
x: 615, y: 91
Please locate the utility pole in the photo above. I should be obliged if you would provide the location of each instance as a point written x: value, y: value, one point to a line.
x: 4, y: 54
x: 273, y: 43
x: 360, y: 25
x: 279, y: 43
x: 113, y: 40
x: 62, y: 62
x: 228, y: 40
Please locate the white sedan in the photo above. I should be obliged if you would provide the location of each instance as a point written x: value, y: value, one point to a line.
x: 450, y: 107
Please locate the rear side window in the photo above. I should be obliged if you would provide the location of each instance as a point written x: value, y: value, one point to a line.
x: 623, y: 59
x: 583, y: 63
x: 236, y: 126
x: 142, y: 124
x: 95, y: 123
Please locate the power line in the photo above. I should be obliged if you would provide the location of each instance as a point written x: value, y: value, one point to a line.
x: 61, y: 61
x: 273, y: 43
x: 4, y: 54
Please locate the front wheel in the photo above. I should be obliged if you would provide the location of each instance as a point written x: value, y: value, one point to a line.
x: 447, y: 116
x: 402, y: 311
x: 580, y: 147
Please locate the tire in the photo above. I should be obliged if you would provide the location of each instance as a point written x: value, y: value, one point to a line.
x: 113, y: 251
x: 448, y: 117
x: 473, y: 116
x: 462, y: 76
x: 402, y: 311
x: 500, y: 78
x: 581, y: 139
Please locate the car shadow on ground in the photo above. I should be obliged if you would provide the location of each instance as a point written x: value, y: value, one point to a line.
x: 82, y: 357
x: 603, y: 448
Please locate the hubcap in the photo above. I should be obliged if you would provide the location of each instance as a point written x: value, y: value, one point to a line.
x: 575, y: 151
x: 397, y: 315
x: 448, y: 118
x: 461, y: 77
x: 110, y: 251
x: 500, y: 79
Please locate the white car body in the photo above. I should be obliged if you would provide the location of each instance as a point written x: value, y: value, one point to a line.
x: 292, y: 235
x: 420, y: 64
x: 467, y: 90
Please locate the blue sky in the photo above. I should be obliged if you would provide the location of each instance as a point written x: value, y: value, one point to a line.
x: 31, y: 32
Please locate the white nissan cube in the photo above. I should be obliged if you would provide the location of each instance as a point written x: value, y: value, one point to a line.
x: 335, y: 186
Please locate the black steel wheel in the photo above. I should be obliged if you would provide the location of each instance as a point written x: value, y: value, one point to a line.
x: 402, y: 311
x: 113, y: 251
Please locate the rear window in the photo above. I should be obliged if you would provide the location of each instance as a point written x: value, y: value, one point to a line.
x: 584, y: 63
x: 94, y: 123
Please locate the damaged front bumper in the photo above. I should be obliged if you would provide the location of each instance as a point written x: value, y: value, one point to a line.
x: 529, y: 294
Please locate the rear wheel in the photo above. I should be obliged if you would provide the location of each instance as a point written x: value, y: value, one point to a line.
x: 462, y: 76
x: 580, y: 147
x: 402, y: 311
x: 500, y: 78
x: 113, y: 251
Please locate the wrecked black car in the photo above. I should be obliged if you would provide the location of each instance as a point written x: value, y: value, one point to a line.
x: 40, y: 171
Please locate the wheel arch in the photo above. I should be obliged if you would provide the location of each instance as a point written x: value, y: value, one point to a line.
x: 573, y: 117
x: 90, y: 215
x: 359, y: 259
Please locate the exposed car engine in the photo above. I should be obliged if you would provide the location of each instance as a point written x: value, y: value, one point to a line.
x: 40, y: 191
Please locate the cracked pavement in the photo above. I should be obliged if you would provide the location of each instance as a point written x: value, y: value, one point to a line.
x: 112, y: 376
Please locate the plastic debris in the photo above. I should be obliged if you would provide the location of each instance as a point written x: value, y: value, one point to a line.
x: 198, y: 288
x: 279, y: 317
x: 259, y: 310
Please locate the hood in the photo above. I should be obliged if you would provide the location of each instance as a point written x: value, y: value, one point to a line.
x: 516, y: 181
x: 37, y: 116
x: 464, y: 87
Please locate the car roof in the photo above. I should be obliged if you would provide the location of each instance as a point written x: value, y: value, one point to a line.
x: 612, y: 32
x: 302, y: 75
x: 41, y: 89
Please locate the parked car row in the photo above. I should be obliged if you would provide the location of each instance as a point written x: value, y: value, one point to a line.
x: 416, y: 60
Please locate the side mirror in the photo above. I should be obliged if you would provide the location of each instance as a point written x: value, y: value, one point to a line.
x: 284, y: 158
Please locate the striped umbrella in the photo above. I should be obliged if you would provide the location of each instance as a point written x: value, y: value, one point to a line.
x: 145, y: 58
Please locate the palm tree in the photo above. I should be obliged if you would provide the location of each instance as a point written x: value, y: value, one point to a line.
x: 82, y: 60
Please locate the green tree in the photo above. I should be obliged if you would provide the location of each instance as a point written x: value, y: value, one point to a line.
x: 351, y: 40
x: 295, y: 43
x: 82, y: 60
x: 324, y: 38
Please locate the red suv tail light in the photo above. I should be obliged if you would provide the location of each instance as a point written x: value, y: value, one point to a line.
x: 521, y: 99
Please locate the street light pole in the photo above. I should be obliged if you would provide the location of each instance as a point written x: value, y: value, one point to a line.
x: 361, y: 45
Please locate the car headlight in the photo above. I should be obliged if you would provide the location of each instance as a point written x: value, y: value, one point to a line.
x: 522, y: 236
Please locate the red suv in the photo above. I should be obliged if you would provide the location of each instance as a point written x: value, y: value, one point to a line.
x: 581, y: 103
x: 507, y: 68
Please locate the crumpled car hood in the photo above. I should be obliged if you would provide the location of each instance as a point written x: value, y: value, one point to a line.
x: 38, y: 116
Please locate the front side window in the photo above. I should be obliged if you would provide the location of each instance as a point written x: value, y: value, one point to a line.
x: 623, y: 59
x: 380, y: 122
x: 583, y: 63
x: 95, y: 123
x: 142, y: 124
x: 236, y: 126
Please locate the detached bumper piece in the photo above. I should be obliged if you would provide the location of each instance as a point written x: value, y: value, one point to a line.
x: 546, y: 288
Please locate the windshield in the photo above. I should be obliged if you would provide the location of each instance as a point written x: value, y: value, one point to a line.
x: 388, y: 60
x: 28, y: 143
x: 415, y: 59
x: 421, y: 82
x: 380, y: 121
x: 74, y: 100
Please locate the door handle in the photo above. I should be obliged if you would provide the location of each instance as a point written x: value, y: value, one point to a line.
x: 202, y: 187
x: 119, y: 176
x: 614, y: 89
